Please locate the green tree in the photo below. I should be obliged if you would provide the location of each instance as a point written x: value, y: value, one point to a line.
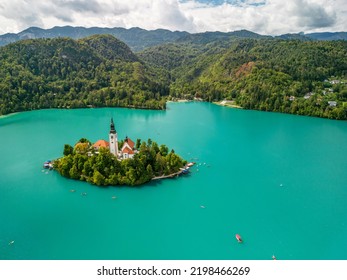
x: 68, y: 150
x: 98, y: 178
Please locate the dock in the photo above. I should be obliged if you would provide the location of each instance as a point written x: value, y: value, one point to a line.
x: 167, y: 176
x: 183, y: 170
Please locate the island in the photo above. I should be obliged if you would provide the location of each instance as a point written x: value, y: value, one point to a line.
x: 122, y: 162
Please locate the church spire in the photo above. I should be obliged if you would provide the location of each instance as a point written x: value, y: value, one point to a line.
x: 113, y: 139
x: 112, y: 129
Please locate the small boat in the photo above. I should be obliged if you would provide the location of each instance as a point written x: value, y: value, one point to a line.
x: 11, y: 242
x: 72, y: 190
x: 184, y: 170
x: 274, y: 257
x: 238, y: 237
x: 190, y: 164
x: 202, y: 206
x: 48, y: 165
x: 84, y: 194
x: 114, y: 197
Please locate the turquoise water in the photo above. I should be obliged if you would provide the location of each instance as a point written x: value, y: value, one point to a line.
x: 278, y: 180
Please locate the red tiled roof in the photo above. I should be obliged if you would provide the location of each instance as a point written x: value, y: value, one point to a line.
x: 101, y: 144
x: 130, y: 142
x: 126, y: 150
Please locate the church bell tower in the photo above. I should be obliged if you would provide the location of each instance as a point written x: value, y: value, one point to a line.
x: 113, y: 139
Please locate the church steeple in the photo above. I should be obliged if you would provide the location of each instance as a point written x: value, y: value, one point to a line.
x: 113, y: 139
x: 112, y: 129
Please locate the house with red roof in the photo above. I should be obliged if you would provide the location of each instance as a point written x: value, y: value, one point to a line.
x: 128, y: 148
x: 101, y: 144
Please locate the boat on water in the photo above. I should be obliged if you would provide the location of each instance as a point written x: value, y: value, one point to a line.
x: 274, y: 257
x: 238, y: 238
x: 48, y: 165
x: 190, y: 164
x: 184, y: 170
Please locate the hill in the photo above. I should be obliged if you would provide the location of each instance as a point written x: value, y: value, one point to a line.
x: 66, y: 73
x: 291, y: 76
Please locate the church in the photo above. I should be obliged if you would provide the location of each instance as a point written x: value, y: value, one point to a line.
x: 126, y: 151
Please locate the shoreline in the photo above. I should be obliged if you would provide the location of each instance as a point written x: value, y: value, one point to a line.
x: 185, y: 100
x: 179, y: 101
x: 228, y: 103
x: 9, y: 115
x: 83, y: 108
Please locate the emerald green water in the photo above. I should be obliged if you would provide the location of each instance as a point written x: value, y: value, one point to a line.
x: 248, y: 156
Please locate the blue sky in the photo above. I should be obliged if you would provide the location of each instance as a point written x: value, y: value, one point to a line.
x: 272, y: 17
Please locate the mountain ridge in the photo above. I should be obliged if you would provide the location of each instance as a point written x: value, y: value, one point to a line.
x: 138, y: 39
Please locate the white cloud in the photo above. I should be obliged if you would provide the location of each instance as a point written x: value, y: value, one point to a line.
x: 262, y: 16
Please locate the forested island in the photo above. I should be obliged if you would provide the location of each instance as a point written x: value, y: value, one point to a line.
x: 100, y: 167
x: 296, y: 76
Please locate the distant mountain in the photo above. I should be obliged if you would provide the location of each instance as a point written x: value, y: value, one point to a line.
x: 293, y: 36
x: 138, y: 39
x: 208, y: 37
x: 325, y: 36
x: 328, y: 36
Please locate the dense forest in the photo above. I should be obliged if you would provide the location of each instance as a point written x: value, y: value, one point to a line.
x: 102, y: 168
x: 290, y: 76
x: 64, y: 73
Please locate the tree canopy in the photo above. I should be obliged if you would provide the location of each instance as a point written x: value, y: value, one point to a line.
x: 64, y: 73
x: 289, y: 76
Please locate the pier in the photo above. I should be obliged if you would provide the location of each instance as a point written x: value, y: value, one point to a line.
x: 167, y: 176
x: 183, y: 170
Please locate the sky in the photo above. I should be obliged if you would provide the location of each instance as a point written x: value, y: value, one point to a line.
x: 267, y: 17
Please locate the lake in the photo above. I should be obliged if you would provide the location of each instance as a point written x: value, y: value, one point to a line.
x: 278, y: 180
